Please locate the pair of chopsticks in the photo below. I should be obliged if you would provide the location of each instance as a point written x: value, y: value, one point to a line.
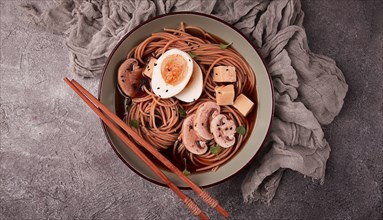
x: 109, y: 117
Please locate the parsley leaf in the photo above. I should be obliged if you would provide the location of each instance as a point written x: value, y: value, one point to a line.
x: 215, y: 149
x: 191, y: 55
x: 186, y: 171
x: 224, y: 46
x: 134, y: 123
x: 241, y: 130
x: 182, y: 112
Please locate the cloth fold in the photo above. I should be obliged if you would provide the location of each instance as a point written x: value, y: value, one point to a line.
x: 309, y: 88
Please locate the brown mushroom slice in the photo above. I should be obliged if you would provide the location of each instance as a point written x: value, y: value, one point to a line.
x: 129, y: 77
x: 223, y: 130
x: 204, y: 115
x: 193, y: 143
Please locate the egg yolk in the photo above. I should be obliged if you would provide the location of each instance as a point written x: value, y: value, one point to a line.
x: 173, y: 69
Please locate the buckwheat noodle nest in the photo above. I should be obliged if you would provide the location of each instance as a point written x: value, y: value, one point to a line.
x: 159, y: 119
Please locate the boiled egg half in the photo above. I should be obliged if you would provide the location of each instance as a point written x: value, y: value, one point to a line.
x: 171, y: 73
x: 193, y: 89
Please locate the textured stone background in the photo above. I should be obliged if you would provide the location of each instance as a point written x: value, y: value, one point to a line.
x: 56, y: 163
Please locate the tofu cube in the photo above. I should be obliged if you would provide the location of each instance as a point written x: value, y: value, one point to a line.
x: 224, y: 74
x: 225, y: 94
x: 149, y: 68
x: 243, y: 104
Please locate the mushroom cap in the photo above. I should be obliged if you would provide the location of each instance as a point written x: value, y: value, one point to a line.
x: 223, y: 130
x: 129, y: 77
x: 193, y: 143
x: 204, y: 115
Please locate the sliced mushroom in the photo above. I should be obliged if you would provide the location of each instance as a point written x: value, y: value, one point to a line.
x: 204, y: 115
x: 223, y: 131
x: 193, y: 143
x: 129, y: 77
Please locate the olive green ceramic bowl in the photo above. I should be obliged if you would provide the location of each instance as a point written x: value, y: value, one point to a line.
x: 227, y: 33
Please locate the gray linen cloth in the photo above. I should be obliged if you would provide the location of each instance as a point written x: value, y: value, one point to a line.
x: 309, y: 88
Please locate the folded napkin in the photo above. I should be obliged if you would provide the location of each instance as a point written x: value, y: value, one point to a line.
x: 309, y: 88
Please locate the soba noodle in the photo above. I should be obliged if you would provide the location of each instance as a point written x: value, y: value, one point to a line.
x: 160, y: 120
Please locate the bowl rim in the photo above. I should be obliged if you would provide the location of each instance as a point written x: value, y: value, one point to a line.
x: 104, y: 127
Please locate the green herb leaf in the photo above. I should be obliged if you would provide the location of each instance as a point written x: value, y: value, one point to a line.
x: 215, y: 149
x: 241, y: 130
x: 224, y: 46
x: 182, y: 112
x: 186, y: 171
x: 191, y: 55
x: 134, y: 123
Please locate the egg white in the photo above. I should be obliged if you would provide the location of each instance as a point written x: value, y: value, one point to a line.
x: 163, y: 89
x: 193, y: 89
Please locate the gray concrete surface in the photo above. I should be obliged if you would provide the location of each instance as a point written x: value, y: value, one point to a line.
x: 55, y: 162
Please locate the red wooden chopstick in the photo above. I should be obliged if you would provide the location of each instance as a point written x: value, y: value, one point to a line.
x: 96, y: 105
